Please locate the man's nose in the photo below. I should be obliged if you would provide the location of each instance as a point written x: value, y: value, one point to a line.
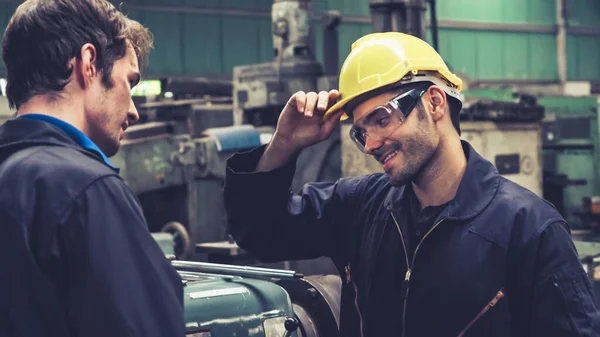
x: 133, y: 115
x: 371, y: 145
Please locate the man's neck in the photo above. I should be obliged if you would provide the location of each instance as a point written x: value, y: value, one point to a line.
x: 59, y: 108
x: 439, y: 181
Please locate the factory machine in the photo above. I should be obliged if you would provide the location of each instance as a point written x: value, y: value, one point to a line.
x: 174, y: 159
x: 228, y: 300
x: 260, y: 91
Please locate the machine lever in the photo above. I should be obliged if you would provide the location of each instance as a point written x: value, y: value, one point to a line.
x: 291, y: 324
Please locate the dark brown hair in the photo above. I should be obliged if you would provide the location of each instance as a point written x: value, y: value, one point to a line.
x: 44, y: 35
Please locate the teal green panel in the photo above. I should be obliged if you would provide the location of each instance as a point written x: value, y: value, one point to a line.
x: 317, y: 31
x: 353, y: 7
x: 240, y: 42
x: 489, y: 48
x: 167, y: 28
x: 201, y: 51
x: 584, y: 13
x: 158, y: 2
x: 583, y: 57
x: 207, y: 3
x: 265, y: 40
x: 542, y: 57
x: 264, y: 5
x: 514, y: 11
x: 7, y: 12
x: 320, y: 5
x: 543, y: 12
x: 573, y: 65
x: 248, y: 4
x: 488, y: 10
x: 515, y: 56
x: 499, y: 55
x: 457, y: 49
x: 350, y: 32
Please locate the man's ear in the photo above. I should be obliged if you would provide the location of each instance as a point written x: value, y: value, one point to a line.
x: 88, y: 65
x: 437, y: 101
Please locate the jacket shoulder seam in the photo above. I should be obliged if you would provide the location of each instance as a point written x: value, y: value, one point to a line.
x: 76, y: 196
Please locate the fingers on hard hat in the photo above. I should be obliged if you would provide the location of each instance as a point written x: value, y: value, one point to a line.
x: 300, y: 101
x: 311, y: 103
x: 323, y: 101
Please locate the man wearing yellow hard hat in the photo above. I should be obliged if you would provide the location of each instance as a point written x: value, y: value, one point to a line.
x: 439, y: 244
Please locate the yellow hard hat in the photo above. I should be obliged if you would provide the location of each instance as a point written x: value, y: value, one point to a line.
x: 380, y: 59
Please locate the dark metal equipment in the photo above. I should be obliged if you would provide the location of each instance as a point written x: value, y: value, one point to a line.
x: 260, y: 91
x: 406, y: 16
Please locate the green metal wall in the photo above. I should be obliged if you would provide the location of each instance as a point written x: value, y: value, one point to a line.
x: 197, y: 44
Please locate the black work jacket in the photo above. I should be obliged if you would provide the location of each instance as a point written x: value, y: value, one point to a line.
x: 498, y: 261
x: 76, y: 257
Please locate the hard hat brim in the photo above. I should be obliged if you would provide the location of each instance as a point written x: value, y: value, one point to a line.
x: 336, y: 107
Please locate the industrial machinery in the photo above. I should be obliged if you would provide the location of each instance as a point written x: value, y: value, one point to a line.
x: 224, y: 300
x: 406, y: 16
x: 260, y: 91
x: 174, y: 159
x: 571, y: 146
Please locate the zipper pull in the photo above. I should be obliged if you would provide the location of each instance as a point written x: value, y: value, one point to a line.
x: 405, y: 284
x: 497, y: 298
x: 348, y: 277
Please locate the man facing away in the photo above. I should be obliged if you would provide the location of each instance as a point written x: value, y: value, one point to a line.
x: 75, y: 252
x: 439, y: 244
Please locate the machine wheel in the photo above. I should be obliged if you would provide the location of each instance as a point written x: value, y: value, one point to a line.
x: 181, y: 238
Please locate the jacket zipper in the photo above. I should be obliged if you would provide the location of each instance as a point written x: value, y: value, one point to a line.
x: 406, y: 283
x: 492, y: 303
x: 349, y: 280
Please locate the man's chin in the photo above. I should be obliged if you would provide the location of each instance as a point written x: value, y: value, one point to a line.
x: 397, y: 181
x: 112, y: 149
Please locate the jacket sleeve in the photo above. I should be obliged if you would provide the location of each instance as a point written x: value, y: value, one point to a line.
x: 270, y: 222
x: 555, y: 291
x: 117, y: 281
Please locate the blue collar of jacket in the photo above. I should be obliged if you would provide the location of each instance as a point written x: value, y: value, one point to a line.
x: 476, y: 190
x: 78, y: 136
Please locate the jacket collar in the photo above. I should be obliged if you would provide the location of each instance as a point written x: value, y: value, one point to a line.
x: 19, y: 133
x: 476, y: 190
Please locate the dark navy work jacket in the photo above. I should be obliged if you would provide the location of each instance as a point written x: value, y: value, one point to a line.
x: 498, y: 261
x: 76, y: 257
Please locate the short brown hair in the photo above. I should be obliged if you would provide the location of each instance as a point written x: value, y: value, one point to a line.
x: 44, y: 35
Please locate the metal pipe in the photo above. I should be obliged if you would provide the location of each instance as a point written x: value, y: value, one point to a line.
x: 215, y: 268
x: 415, y: 18
x: 561, y: 40
x: 434, y: 24
x: 331, y: 43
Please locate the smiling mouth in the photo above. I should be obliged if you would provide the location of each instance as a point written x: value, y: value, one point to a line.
x: 387, y: 157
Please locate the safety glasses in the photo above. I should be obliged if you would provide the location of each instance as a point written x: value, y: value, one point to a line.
x: 380, y: 123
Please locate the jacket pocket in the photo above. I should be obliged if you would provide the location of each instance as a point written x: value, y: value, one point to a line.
x: 493, y: 302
